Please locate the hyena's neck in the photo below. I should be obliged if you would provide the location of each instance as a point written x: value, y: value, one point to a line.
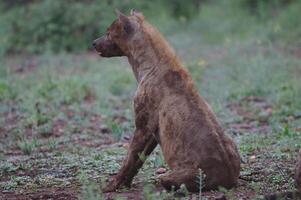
x: 144, y: 63
x: 152, y: 55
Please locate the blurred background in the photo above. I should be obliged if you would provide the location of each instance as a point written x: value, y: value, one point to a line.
x: 66, y: 114
x: 36, y: 26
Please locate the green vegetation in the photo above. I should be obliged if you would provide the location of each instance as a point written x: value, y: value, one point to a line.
x: 54, y: 25
x: 27, y: 146
x: 66, y: 119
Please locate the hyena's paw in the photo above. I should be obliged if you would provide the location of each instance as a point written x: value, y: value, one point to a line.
x: 112, y: 185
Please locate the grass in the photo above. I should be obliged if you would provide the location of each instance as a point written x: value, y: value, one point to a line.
x: 27, y: 146
x: 67, y: 117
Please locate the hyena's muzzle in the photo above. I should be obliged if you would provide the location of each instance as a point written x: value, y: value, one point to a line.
x: 106, y: 47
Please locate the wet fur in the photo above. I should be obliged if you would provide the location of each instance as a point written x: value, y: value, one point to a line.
x: 170, y: 112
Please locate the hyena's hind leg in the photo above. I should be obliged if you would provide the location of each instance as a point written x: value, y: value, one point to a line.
x: 174, y: 179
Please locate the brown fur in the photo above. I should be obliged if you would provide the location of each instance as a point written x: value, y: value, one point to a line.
x: 169, y: 112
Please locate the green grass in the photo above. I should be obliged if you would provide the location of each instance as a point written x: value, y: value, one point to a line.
x: 27, y: 146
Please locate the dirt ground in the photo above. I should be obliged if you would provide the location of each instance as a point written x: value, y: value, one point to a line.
x: 255, y: 165
x: 66, y: 124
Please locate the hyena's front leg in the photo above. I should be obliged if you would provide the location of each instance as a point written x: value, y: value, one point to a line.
x: 143, y: 143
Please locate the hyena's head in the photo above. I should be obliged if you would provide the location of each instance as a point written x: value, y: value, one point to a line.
x: 120, y: 35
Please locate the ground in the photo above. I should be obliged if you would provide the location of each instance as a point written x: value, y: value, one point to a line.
x: 66, y: 120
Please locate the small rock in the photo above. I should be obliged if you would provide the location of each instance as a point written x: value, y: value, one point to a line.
x: 127, y: 137
x: 104, y: 129
x: 297, y: 129
x: 269, y: 111
x: 252, y: 157
x: 161, y: 170
x: 220, y: 197
x: 125, y: 145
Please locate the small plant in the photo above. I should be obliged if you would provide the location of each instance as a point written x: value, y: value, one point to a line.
x: 256, y: 186
x: 183, y: 190
x: 16, y: 132
x: 45, y: 130
x: 27, y: 146
x: 227, y: 193
x: 116, y: 129
x: 159, y: 159
x: 116, y: 89
x: 201, y: 178
x: 142, y: 157
x: 52, y: 144
x: 7, y: 91
x: 97, y: 156
x: 277, y: 179
x: 39, y: 116
x: 8, y: 185
x: 147, y: 192
x: 90, y: 189
x: 6, y: 167
x: 286, y: 132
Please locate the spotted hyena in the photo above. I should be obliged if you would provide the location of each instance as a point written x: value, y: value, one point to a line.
x: 169, y: 112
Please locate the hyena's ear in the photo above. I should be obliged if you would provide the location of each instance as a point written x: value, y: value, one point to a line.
x: 138, y: 14
x: 118, y: 13
x: 127, y: 26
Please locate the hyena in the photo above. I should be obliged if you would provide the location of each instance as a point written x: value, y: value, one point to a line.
x: 168, y: 111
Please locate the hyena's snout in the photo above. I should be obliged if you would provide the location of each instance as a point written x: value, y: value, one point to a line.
x: 100, y: 44
x: 106, y: 47
x: 94, y: 44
